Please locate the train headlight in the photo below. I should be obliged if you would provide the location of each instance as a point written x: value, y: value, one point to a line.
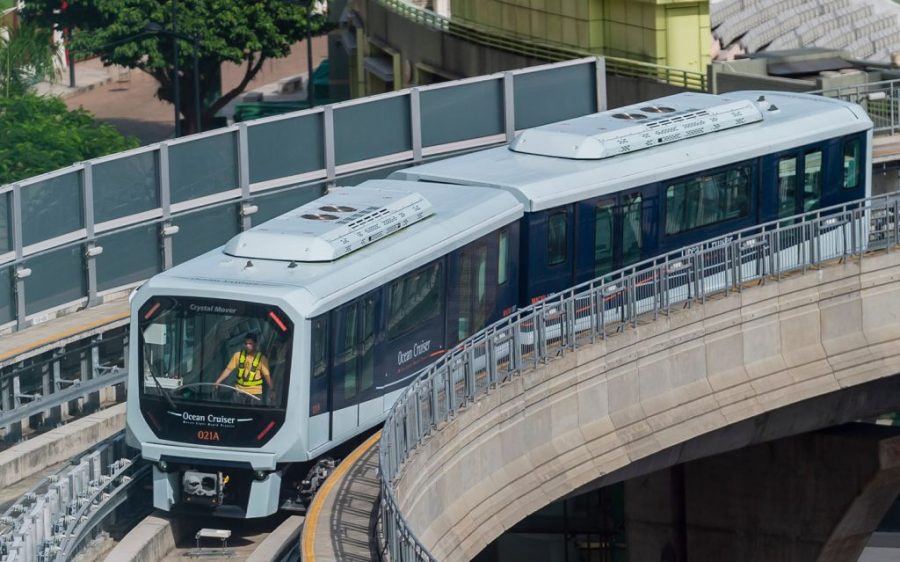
x: 163, y: 466
x: 259, y: 475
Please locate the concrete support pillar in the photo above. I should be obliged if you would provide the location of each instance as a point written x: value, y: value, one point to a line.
x: 815, y: 497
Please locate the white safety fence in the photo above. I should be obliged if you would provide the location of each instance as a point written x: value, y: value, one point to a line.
x: 604, y: 307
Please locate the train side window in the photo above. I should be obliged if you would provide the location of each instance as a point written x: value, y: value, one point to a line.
x: 708, y: 199
x: 603, y: 238
x: 503, y: 257
x: 631, y: 230
x: 367, y: 353
x: 346, y: 353
x: 415, y: 299
x: 557, y: 234
x: 787, y: 186
x: 812, y: 180
x: 851, y: 163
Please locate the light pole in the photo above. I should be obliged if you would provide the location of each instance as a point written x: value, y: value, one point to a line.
x: 176, y: 82
x: 153, y: 28
x: 310, y: 91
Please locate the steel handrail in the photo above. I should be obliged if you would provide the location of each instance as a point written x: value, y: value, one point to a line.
x: 607, y: 305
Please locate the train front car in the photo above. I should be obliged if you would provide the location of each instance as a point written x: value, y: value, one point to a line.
x: 234, y: 390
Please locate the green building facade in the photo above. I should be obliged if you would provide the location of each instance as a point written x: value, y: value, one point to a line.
x: 666, y: 32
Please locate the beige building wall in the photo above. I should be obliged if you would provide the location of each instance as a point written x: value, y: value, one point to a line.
x: 666, y: 32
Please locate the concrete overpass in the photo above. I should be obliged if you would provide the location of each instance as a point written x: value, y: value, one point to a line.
x: 746, y: 363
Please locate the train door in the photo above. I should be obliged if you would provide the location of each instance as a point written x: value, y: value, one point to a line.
x: 798, y: 182
x: 475, y: 290
x: 610, y: 233
x: 353, y: 367
x: 319, y: 393
x: 549, y: 252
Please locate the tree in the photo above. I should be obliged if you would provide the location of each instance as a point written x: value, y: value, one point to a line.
x: 246, y: 32
x: 40, y: 134
x: 26, y: 56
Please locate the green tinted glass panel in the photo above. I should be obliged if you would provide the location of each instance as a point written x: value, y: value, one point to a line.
x: 545, y: 96
x: 203, y: 166
x: 631, y: 231
x: 603, y: 238
x: 787, y: 187
x: 372, y: 129
x: 415, y: 299
x: 51, y: 207
x: 56, y: 278
x: 286, y: 147
x: 466, y: 111
x: 708, y: 199
x: 202, y: 231
x: 7, y: 300
x: 6, y: 244
x: 503, y: 257
x: 852, y: 163
x: 812, y: 180
x: 557, y: 227
x: 128, y: 256
x: 270, y: 206
x: 126, y: 186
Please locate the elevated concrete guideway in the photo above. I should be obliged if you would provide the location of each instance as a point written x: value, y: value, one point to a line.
x: 773, y: 360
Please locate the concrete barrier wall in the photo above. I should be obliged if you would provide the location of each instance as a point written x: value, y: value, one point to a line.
x: 594, y: 411
x: 60, y: 444
x: 150, y: 541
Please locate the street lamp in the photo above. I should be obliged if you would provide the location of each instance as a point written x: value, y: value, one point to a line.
x: 310, y: 91
x: 154, y: 28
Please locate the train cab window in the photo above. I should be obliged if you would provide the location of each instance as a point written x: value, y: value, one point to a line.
x: 851, y: 163
x: 557, y: 238
x: 812, y: 180
x: 707, y: 199
x: 503, y: 257
x: 216, y: 351
x: 414, y: 299
x: 631, y: 230
x: 603, y: 238
x: 787, y: 186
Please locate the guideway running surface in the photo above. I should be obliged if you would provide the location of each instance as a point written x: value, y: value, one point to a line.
x: 340, y: 522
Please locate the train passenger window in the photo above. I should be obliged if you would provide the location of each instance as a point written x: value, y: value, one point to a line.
x: 812, y: 180
x: 787, y: 186
x: 557, y: 235
x: 345, y: 353
x: 414, y: 299
x: 367, y: 353
x: 475, y: 297
x: 503, y: 257
x: 631, y: 230
x: 851, y: 163
x: 603, y: 238
x: 708, y: 199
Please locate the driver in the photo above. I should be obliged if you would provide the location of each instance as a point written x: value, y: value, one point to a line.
x: 252, y: 367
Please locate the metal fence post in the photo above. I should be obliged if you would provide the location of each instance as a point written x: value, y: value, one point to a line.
x: 328, y: 140
x: 244, y: 175
x: 509, y: 106
x: 165, y: 204
x: 415, y: 122
x: 90, y: 248
x: 19, y: 270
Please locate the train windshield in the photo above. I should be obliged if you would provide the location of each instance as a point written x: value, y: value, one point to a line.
x: 214, y: 351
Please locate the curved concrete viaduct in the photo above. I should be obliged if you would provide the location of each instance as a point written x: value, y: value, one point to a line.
x: 774, y: 360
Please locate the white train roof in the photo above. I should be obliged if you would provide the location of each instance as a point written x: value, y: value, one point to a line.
x: 573, y: 160
x: 267, y: 262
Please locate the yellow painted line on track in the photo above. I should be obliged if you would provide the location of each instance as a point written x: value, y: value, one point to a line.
x: 308, y: 548
x: 62, y: 335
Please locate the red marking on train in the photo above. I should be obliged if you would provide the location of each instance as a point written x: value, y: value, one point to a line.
x: 438, y: 352
x: 278, y: 321
x: 152, y: 310
x: 267, y: 429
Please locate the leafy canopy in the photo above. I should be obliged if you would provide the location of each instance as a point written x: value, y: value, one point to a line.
x: 246, y: 32
x: 40, y: 134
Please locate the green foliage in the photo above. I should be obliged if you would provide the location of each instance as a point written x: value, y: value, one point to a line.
x: 246, y: 32
x: 26, y: 56
x: 40, y: 134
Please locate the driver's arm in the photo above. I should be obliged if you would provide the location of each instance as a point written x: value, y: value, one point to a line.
x: 264, y: 369
x: 228, y: 368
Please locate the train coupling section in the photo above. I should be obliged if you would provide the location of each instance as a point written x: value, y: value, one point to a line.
x: 309, y: 485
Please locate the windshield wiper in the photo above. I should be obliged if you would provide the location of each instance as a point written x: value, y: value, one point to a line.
x: 163, y: 390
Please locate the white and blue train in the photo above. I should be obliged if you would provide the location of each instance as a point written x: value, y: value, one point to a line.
x: 345, y: 298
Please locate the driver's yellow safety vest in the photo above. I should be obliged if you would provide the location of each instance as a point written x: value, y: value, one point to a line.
x: 252, y: 377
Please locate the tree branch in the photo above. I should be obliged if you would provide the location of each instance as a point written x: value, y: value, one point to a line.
x: 251, y: 72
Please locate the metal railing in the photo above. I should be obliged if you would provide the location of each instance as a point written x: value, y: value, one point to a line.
x: 72, y: 236
x: 527, y: 46
x: 604, y: 307
x: 55, y: 519
x: 879, y: 99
